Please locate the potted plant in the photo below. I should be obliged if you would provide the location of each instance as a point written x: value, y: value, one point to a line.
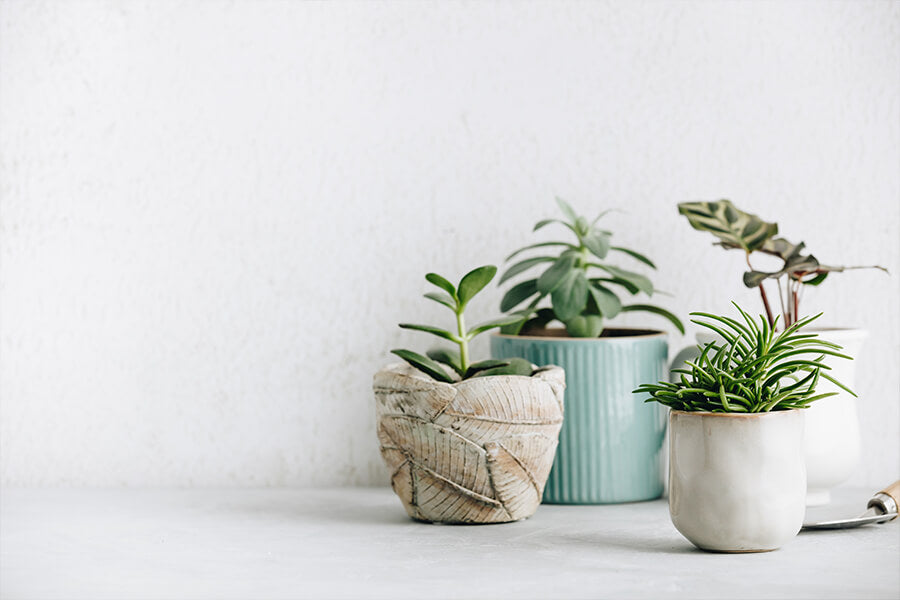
x: 832, y: 427
x: 611, y: 442
x: 467, y: 442
x: 737, y: 474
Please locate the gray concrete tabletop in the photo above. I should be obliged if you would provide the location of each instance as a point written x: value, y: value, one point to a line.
x: 359, y: 543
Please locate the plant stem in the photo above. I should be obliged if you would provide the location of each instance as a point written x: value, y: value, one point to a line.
x: 463, y: 341
x: 762, y: 293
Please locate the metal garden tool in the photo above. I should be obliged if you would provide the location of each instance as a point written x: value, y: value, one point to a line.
x: 881, y: 509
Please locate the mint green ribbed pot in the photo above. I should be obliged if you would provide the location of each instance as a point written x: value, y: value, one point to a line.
x: 611, y: 443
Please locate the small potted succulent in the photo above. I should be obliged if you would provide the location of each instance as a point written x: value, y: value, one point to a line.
x: 467, y: 442
x: 737, y: 474
x: 611, y: 443
x: 832, y: 426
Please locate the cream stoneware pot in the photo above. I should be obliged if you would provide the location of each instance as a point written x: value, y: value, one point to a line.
x: 474, y: 451
x: 832, y: 446
x: 737, y: 482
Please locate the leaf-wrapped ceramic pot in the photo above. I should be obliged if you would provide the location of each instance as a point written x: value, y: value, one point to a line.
x: 474, y: 451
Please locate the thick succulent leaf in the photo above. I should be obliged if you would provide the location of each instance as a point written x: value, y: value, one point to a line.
x: 432, y: 330
x: 540, y: 245
x: 424, y: 364
x: 516, y: 366
x: 566, y: 210
x: 524, y: 265
x: 474, y: 281
x: 442, y: 283
x: 632, y: 289
x: 570, y: 296
x: 601, y: 215
x: 545, y: 222
x: 585, y: 326
x: 482, y: 327
x: 607, y: 302
x: 658, y: 311
x: 446, y: 356
x: 598, y: 243
x: 540, y: 319
x: 636, y: 279
x: 735, y: 228
x: 517, y: 294
x: 442, y: 299
x: 635, y: 255
x: 484, y: 364
x: 553, y: 277
x: 582, y: 227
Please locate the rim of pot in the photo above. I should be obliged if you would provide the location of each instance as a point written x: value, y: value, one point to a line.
x: 703, y: 413
x: 637, y: 334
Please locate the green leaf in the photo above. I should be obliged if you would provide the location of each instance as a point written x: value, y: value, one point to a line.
x: 441, y: 283
x: 540, y: 245
x: 633, y: 289
x: 817, y: 279
x: 424, y: 364
x: 516, y: 366
x: 482, y: 327
x: 545, y: 222
x: 658, y: 311
x: 442, y: 299
x: 582, y: 227
x: 601, y: 215
x: 517, y: 294
x: 597, y: 243
x: 484, y: 364
x: 585, y: 326
x: 473, y: 282
x: 636, y: 279
x: 552, y: 277
x: 634, y: 255
x: 566, y: 210
x: 524, y: 265
x: 446, y: 356
x: 607, y: 302
x: 570, y: 296
x: 432, y: 330
x: 735, y: 228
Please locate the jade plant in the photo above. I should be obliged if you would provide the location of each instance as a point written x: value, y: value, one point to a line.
x: 755, y: 369
x: 582, y: 286
x: 738, y: 230
x: 456, y: 298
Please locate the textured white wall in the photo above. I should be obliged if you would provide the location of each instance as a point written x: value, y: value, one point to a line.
x: 214, y: 213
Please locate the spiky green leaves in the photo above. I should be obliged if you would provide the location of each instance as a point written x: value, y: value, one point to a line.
x: 456, y: 298
x: 577, y: 300
x: 751, y: 369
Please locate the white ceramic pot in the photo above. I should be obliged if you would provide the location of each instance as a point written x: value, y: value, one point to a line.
x: 832, y: 446
x: 737, y: 482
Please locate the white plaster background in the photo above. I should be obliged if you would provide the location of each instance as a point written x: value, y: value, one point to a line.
x: 214, y: 213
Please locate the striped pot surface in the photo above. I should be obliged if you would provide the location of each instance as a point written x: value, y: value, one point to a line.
x: 611, y: 444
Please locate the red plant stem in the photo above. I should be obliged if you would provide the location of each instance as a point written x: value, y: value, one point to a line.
x: 762, y: 293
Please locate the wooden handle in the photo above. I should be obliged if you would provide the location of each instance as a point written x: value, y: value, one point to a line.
x: 893, y: 491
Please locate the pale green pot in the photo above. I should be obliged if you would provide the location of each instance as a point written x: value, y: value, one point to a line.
x: 611, y: 443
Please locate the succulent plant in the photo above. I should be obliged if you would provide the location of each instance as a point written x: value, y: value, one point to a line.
x: 738, y: 230
x: 754, y: 370
x: 582, y: 286
x: 456, y: 298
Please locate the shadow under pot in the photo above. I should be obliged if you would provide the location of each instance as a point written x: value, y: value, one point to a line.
x: 737, y: 482
x: 611, y: 443
x: 474, y: 451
